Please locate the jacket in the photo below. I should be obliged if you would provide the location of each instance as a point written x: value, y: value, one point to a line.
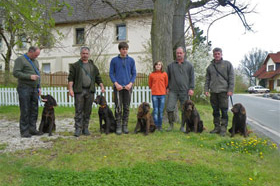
x: 215, y: 82
x: 23, y: 71
x: 122, y: 70
x: 158, y: 82
x: 75, y: 76
x: 180, y: 77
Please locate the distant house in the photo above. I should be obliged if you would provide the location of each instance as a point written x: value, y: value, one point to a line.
x: 100, y: 25
x: 269, y: 73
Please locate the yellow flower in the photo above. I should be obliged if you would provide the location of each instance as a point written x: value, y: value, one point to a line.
x: 105, y: 156
x: 222, y: 148
x: 251, y: 179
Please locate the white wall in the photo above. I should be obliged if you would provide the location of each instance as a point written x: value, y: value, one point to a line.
x: 66, y: 52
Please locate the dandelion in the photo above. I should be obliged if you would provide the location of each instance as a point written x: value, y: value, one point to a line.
x: 105, y: 156
x: 222, y: 148
x: 251, y: 179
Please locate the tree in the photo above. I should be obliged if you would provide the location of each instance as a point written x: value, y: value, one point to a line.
x: 252, y: 62
x: 26, y: 21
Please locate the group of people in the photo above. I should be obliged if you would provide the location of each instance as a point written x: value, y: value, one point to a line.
x: 178, y: 83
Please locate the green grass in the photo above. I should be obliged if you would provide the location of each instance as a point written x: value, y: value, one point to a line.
x: 162, y: 158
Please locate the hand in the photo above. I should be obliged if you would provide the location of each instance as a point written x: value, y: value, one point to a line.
x: 39, y: 91
x: 229, y: 93
x: 206, y: 93
x: 167, y: 91
x: 71, y: 93
x: 128, y: 86
x: 102, y: 88
x: 34, y: 77
x: 118, y: 86
x: 191, y: 92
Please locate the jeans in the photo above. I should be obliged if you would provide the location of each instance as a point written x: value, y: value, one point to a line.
x: 158, y: 105
x: 83, y: 107
x: 28, y: 102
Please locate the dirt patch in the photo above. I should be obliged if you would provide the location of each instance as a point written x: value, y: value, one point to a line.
x: 10, y: 139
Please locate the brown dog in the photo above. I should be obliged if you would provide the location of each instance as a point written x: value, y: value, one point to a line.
x: 191, y: 118
x: 106, y: 114
x: 239, y: 120
x: 145, y: 120
x: 47, y: 124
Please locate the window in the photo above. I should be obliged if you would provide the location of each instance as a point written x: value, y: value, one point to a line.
x: 80, y: 36
x: 278, y: 82
x: 121, y: 32
x: 22, y: 41
x: 270, y: 68
x: 46, y: 67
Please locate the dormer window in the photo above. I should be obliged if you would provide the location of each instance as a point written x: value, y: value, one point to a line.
x: 270, y: 68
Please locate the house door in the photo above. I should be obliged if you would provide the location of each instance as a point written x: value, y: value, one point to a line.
x: 271, y: 84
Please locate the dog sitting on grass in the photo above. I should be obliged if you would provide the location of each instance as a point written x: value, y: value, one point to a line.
x: 106, y: 114
x: 239, y: 120
x: 47, y: 124
x: 191, y: 118
x: 145, y: 120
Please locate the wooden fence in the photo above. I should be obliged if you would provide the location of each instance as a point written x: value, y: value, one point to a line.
x: 9, y: 96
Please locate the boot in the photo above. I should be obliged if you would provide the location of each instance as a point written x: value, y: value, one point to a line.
x: 170, y: 120
x: 124, y: 128
x: 77, y: 132
x: 119, y: 129
x: 217, y: 128
x: 86, y: 132
x: 224, y: 124
x: 182, y: 128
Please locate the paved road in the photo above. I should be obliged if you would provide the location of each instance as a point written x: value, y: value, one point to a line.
x: 263, y: 114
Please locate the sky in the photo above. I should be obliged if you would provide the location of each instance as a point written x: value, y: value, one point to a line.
x: 230, y: 35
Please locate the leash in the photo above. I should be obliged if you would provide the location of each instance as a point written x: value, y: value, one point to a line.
x: 231, y: 101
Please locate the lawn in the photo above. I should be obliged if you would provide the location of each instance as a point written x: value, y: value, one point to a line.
x: 162, y: 158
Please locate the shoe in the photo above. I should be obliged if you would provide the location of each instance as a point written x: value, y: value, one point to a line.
x: 77, y: 132
x: 36, y: 133
x: 124, y: 129
x: 86, y: 132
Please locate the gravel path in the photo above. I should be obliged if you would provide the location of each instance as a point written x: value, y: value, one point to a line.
x: 10, y: 135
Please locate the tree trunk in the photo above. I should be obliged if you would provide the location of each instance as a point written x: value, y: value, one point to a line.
x: 178, y: 32
x: 161, y: 33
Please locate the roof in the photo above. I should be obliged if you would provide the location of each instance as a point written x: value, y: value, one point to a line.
x: 262, y: 73
x: 93, y: 10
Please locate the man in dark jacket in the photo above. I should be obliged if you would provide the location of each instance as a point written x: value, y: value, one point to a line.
x: 220, y: 82
x: 122, y: 74
x: 180, y: 84
x: 81, y: 83
x: 26, y: 69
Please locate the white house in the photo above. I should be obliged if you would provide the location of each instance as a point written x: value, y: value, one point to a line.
x: 101, y: 26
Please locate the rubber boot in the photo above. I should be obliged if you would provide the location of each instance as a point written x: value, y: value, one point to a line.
x: 86, y: 132
x: 182, y: 128
x: 124, y: 128
x: 77, y: 132
x: 170, y: 120
x: 119, y: 129
x: 217, y: 124
x: 224, y: 123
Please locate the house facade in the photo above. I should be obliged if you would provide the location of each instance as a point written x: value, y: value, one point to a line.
x: 101, y: 26
x: 269, y: 73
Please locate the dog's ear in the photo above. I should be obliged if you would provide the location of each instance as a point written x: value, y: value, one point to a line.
x: 242, y: 109
x: 53, y: 101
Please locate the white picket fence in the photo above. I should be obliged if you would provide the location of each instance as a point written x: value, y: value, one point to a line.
x: 9, y: 96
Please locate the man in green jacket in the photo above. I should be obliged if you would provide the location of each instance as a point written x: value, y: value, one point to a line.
x: 220, y: 82
x: 26, y: 70
x: 180, y: 84
x: 81, y: 83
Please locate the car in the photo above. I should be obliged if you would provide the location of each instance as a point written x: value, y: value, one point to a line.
x: 258, y: 89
